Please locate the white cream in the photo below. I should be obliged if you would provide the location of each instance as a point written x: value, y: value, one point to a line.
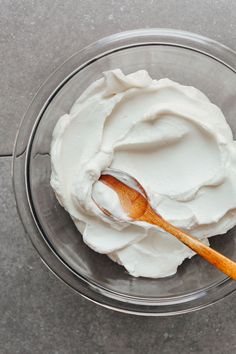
x: 173, y: 140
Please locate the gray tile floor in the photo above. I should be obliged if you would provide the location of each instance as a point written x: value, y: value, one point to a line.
x: 38, y: 313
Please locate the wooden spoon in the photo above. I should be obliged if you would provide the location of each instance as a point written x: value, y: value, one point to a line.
x: 135, y: 203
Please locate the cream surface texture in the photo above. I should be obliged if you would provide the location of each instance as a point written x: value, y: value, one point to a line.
x: 173, y: 140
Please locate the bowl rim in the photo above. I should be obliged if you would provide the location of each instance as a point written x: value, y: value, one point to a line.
x: 107, y: 298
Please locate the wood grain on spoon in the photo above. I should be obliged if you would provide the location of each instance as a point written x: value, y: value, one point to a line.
x: 138, y: 208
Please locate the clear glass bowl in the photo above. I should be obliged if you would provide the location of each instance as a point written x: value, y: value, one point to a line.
x: 184, y: 57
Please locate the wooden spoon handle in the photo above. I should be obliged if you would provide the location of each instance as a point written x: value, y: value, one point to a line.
x: 218, y: 260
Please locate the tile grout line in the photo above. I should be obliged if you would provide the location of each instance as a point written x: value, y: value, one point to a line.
x: 10, y: 155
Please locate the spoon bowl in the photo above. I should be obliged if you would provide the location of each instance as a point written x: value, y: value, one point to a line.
x: 120, y: 180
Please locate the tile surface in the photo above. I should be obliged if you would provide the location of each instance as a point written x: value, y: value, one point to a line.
x: 37, y: 36
x: 39, y: 314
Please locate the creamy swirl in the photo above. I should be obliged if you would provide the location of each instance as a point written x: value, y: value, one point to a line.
x: 173, y: 140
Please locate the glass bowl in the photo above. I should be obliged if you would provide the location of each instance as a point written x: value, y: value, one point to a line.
x: 184, y: 57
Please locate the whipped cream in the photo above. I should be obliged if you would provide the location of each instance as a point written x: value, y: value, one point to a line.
x: 173, y: 140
